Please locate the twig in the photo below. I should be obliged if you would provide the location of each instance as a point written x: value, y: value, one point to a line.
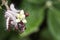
x: 4, y: 2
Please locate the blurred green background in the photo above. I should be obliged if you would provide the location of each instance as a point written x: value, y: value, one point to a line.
x: 43, y: 22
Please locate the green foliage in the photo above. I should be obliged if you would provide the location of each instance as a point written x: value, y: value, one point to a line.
x: 54, y: 22
x: 36, y: 10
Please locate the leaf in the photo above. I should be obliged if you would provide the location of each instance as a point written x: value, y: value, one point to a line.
x: 54, y: 22
x: 56, y: 4
x: 36, y: 16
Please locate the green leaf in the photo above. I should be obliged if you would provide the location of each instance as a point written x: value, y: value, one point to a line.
x: 56, y: 4
x: 35, y: 18
x: 54, y: 22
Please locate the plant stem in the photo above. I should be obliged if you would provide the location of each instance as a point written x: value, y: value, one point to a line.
x: 5, y: 2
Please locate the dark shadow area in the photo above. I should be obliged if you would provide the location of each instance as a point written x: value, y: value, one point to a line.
x: 16, y: 2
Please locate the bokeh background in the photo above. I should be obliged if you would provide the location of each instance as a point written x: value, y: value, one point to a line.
x: 43, y: 21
